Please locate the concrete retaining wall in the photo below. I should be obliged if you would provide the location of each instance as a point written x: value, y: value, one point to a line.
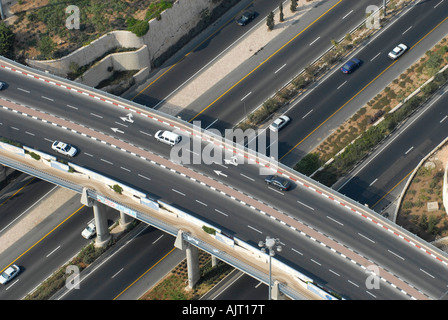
x: 175, y: 24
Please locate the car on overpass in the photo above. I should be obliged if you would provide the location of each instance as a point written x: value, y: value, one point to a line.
x: 64, y: 148
x: 279, y: 182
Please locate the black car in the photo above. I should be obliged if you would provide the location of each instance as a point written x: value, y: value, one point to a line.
x: 245, y: 18
x: 279, y: 182
x: 351, y: 65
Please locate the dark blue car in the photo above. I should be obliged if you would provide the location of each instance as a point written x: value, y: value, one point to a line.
x: 351, y: 65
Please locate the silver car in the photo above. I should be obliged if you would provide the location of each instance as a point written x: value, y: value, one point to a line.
x: 279, y: 123
x: 397, y: 51
x: 64, y: 148
x: 9, y: 274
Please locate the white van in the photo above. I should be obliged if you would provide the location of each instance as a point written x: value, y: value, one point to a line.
x: 168, y: 137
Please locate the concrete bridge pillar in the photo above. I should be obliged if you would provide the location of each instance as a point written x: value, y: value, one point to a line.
x: 192, y: 254
x: 102, y: 230
x: 276, y: 293
x: 125, y: 220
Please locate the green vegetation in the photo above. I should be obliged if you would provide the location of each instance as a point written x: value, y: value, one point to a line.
x: 36, y: 25
x: 6, y: 40
x: 270, y: 21
x: 117, y: 188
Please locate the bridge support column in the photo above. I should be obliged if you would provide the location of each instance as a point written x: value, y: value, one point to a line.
x: 102, y: 230
x: 275, y: 293
x: 125, y: 220
x: 192, y: 254
x: 215, y: 261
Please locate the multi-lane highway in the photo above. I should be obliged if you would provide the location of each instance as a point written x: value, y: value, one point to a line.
x: 304, y: 205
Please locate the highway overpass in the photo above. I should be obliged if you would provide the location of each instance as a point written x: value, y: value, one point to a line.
x: 317, y: 226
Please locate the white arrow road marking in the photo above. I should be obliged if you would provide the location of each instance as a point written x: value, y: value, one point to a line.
x: 128, y: 118
x: 219, y: 173
x: 116, y: 130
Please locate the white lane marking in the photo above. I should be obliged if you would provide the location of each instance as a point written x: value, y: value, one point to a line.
x: 31, y: 134
x: 444, y: 118
x: 15, y: 128
x: 371, y: 294
x: 307, y: 114
x: 47, y: 98
x: 335, y: 220
x: 121, y: 124
x: 12, y: 284
x: 373, y: 182
x: 398, y: 256
x: 427, y: 273
x: 409, y: 150
x: 200, y: 202
x: 297, y: 251
x: 117, y: 273
x: 88, y: 154
x: 341, y: 85
x: 183, y: 194
x: 347, y: 15
x: 438, y: 4
x: 316, y: 262
x: 224, y: 214
x: 23, y: 90
x: 106, y: 161
x: 95, y: 115
x: 246, y: 96
x: 211, y: 124
x: 334, y: 272
x: 72, y: 107
x: 148, y: 134
x: 144, y: 177
x: 53, y: 251
x: 305, y: 205
x: 353, y: 283
x: 254, y: 229
x: 247, y: 177
x: 155, y: 241
x: 275, y: 190
x: 375, y: 56
x: 407, y: 30
x: 125, y: 169
x: 280, y: 68
x: 314, y: 41
x: 366, y: 237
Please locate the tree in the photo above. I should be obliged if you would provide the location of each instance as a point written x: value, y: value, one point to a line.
x: 270, y: 20
x: 46, y: 47
x: 280, y: 8
x: 293, y: 6
x: 6, y: 40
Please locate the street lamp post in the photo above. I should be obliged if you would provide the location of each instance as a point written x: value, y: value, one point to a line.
x: 271, y: 245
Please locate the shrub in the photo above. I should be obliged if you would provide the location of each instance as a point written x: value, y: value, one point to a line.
x: 138, y: 27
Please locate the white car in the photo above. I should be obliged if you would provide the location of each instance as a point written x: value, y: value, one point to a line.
x: 279, y: 123
x: 64, y: 148
x: 89, y: 231
x: 9, y: 273
x: 397, y: 51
